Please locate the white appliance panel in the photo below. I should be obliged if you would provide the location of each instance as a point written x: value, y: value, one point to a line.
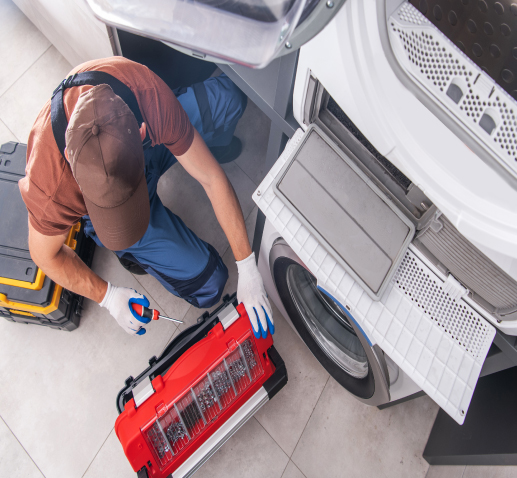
x: 347, y: 57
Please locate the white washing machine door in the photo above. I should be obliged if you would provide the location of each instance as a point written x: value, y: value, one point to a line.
x: 328, y: 329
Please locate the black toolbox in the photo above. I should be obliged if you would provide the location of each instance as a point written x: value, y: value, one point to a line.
x: 26, y: 294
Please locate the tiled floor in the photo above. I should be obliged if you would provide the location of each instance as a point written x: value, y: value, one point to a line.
x: 58, y: 389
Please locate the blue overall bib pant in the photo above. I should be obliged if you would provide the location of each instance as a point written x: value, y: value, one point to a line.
x: 169, y: 251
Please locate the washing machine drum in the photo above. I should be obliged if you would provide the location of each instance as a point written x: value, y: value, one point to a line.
x: 249, y: 32
x: 329, y: 331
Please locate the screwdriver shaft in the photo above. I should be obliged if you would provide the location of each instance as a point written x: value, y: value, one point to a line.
x: 170, y: 318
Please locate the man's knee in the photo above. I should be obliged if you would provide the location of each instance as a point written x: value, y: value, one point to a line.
x: 211, y: 292
x: 237, y: 99
x: 234, y: 101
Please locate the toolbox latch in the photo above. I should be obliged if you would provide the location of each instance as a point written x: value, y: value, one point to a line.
x: 143, y: 391
x: 228, y: 316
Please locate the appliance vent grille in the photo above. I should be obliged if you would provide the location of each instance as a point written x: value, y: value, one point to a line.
x: 482, y: 106
x: 411, y: 15
x: 470, y: 266
x: 434, y: 62
x: 456, y: 318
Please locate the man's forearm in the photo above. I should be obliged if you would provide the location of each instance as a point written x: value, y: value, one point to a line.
x: 229, y: 214
x: 70, y: 272
x: 201, y: 165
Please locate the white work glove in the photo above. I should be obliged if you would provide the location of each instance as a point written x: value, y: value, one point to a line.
x: 118, y: 301
x: 251, y: 292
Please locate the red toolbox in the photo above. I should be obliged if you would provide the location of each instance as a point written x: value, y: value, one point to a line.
x: 207, y: 383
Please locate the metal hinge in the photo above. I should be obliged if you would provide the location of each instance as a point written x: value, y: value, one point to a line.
x: 143, y: 391
x: 228, y: 316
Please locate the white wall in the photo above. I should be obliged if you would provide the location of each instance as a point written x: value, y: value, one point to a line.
x: 70, y: 26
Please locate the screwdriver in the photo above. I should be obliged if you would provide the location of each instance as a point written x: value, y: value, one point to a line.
x: 151, y: 313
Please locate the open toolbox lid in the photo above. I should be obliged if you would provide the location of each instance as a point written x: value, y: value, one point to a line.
x: 206, y: 384
x: 431, y: 333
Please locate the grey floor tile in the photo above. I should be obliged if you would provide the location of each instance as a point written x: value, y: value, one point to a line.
x: 287, y: 414
x: 347, y: 438
x: 490, y: 472
x: 292, y: 471
x: 174, y: 335
x: 253, y: 131
x: 6, y: 134
x: 190, y: 318
x: 250, y: 453
x: 20, y: 105
x: 110, y: 461
x: 61, y: 387
x: 445, y: 472
x: 14, y: 460
x: 22, y: 44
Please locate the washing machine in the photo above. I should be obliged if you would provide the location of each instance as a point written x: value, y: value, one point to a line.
x: 328, y: 329
x: 369, y: 97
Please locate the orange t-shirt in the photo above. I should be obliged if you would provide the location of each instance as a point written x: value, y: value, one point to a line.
x: 49, y: 189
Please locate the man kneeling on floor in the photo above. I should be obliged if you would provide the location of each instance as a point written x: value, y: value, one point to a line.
x: 97, y: 151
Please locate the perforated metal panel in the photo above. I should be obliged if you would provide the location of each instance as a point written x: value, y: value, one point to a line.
x: 473, y: 98
x: 464, y: 325
x: 484, y: 30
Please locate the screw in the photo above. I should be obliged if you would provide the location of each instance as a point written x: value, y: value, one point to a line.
x: 499, y: 321
x: 347, y: 307
x: 330, y: 4
x: 258, y: 192
x: 288, y: 45
x: 423, y: 205
x: 462, y: 412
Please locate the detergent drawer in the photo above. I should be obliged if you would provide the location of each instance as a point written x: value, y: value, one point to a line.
x: 345, y: 210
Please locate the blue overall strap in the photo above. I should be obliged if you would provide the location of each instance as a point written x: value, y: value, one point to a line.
x: 204, y: 109
x: 93, y: 78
